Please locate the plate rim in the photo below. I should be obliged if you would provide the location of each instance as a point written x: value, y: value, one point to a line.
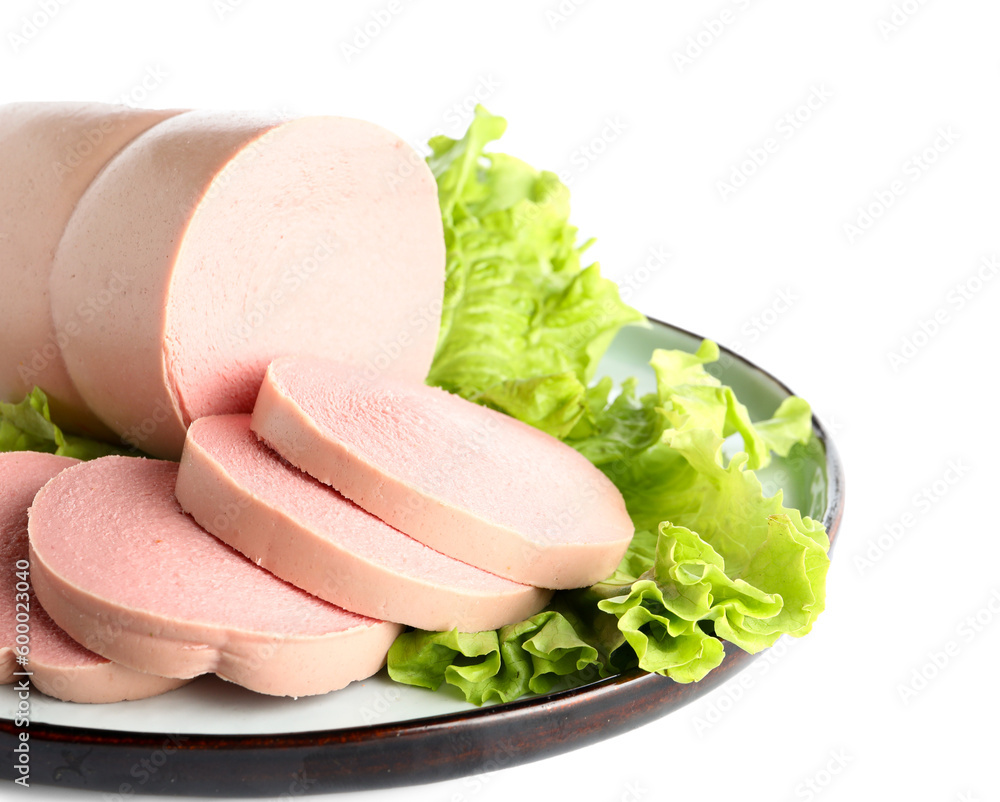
x: 648, y: 696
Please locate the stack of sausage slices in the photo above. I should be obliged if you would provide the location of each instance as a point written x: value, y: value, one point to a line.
x: 271, y: 307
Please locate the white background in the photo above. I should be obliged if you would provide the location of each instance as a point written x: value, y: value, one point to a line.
x: 598, y: 91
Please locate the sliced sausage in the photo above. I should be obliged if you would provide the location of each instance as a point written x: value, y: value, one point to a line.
x: 468, y: 481
x: 118, y: 565
x: 58, y: 665
x: 310, y: 535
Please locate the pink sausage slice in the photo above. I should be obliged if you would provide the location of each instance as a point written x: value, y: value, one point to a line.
x: 49, y: 154
x: 468, y: 481
x: 310, y: 535
x: 59, y: 666
x: 239, y: 238
x: 118, y: 565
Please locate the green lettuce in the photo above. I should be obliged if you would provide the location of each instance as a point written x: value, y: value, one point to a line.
x: 746, y: 563
x: 524, y: 323
x: 28, y: 426
x: 554, y: 403
x: 530, y: 656
x: 614, y: 431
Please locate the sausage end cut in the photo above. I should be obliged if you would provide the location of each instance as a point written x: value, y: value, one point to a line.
x: 49, y: 155
x: 232, y: 239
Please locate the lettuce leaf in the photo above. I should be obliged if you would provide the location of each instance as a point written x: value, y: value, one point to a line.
x: 28, y: 426
x: 691, y: 397
x: 718, y: 533
x: 553, y: 403
x: 524, y: 324
x: 663, y: 641
x: 612, y: 432
x: 530, y: 656
x: 790, y: 425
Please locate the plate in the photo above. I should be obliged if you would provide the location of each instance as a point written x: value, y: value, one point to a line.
x: 213, y: 738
